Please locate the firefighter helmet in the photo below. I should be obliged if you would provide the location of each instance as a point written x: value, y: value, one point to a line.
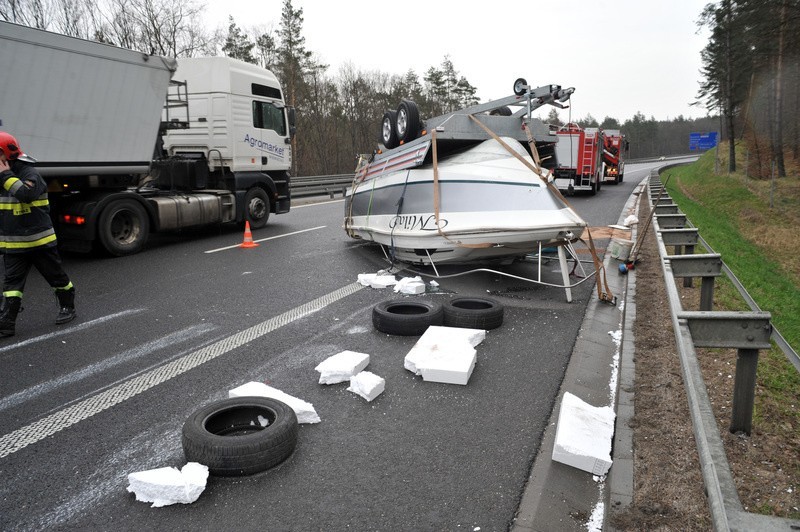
x: 9, y: 146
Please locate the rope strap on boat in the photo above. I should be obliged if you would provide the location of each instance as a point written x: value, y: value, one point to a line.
x: 603, y: 290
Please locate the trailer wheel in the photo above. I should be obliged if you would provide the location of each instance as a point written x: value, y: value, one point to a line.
x: 389, y: 130
x: 256, y: 207
x: 240, y: 436
x: 123, y: 227
x: 519, y: 86
x: 407, y: 121
x: 473, y: 313
x: 406, y: 318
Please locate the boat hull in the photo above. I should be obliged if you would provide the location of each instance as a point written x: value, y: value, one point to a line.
x: 490, y: 207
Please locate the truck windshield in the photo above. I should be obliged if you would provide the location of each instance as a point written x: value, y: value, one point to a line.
x: 267, y: 116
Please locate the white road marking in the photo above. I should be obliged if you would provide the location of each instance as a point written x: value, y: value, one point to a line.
x: 269, y: 238
x: 58, y: 421
x: 71, y: 329
x: 125, y: 356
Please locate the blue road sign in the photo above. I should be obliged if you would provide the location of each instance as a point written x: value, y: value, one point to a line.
x: 702, y: 141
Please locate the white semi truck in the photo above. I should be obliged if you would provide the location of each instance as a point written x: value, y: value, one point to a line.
x: 132, y: 143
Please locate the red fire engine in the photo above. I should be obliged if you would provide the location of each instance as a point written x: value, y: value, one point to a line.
x: 614, y: 144
x: 578, y: 159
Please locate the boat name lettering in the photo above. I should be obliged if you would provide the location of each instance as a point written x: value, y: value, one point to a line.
x: 415, y: 221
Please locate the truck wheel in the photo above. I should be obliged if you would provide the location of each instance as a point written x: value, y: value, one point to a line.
x: 256, y: 207
x: 389, y: 130
x: 407, y: 121
x: 241, y: 435
x: 123, y: 227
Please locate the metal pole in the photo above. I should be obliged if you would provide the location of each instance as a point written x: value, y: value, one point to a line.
x: 707, y: 293
x: 744, y: 391
x: 687, y: 281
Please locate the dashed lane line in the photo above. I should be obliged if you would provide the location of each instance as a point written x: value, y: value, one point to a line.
x: 58, y: 421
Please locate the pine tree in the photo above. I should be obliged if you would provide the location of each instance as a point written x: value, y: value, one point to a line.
x: 237, y: 45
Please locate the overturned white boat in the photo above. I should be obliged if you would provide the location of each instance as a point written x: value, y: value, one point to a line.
x: 468, y: 187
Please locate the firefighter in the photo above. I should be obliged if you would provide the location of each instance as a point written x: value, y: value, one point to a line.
x: 27, y: 237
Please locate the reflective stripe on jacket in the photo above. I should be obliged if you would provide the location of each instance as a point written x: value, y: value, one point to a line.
x: 24, y: 210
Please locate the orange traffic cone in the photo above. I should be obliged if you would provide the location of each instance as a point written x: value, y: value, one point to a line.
x: 248, y: 237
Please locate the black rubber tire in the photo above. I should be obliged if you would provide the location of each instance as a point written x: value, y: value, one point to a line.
x: 256, y: 207
x: 227, y: 437
x: 473, y: 313
x: 123, y: 227
x: 519, y: 85
x: 408, y: 123
x: 403, y: 317
x: 388, y: 136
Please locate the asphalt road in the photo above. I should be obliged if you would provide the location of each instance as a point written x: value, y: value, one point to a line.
x: 170, y: 329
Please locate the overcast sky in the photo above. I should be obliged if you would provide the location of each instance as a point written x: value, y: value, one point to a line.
x: 622, y: 56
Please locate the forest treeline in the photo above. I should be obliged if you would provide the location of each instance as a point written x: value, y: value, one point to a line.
x: 339, y: 114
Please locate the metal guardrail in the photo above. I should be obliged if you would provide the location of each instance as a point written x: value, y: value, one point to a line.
x: 746, y: 331
x: 320, y: 185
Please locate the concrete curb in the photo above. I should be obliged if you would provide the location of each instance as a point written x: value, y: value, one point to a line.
x: 560, y: 497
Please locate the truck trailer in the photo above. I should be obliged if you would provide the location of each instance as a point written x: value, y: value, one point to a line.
x: 131, y: 143
x: 578, y: 163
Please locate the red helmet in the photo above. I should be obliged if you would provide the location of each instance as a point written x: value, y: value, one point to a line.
x: 9, y: 146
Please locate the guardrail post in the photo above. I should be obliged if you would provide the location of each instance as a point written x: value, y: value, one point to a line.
x: 706, y: 266
x: 687, y: 281
x: 745, y: 331
x: 744, y: 391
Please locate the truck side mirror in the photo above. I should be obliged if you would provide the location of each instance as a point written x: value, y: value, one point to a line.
x: 292, y: 121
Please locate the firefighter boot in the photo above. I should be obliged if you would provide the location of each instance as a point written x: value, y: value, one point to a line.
x: 66, y: 305
x: 8, y: 317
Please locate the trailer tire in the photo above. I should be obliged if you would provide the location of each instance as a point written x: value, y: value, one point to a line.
x: 123, y: 227
x: 230, y: 438
x: 473, y: 313
x: 389, y: 130
x: 406, y: 318
x: 408, y: 123
x: 256, y: 207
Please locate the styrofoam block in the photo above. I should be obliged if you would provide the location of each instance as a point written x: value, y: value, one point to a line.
x: 583, y: 435
x: 367, y: 385
x: 304, y: 410
x: 167, y: 485
x: 452, y: 367
x: 341, y: 366
x: 377, y: 280
x: 440, y: 339
x: 410, y: 286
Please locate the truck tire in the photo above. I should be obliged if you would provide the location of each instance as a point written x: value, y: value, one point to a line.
x: 406, y: 318
x: 389, y: 130
x: 241, y: 435
x: 473, y: 313
x: 408, y: 123
x: 123, y: 227
x: 256, y: 207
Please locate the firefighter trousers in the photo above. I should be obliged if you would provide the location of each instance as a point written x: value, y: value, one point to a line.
x: 45, y: 259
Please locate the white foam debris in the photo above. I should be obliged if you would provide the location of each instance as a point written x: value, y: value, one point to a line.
x: 167, y: 485
x: 377, y: 280
x: 583, y: 435
x: 410, y: 286
x: 630, y: 220
x: 367, y: 385
x: 445, y: 354
x: 304, y: 410
x: 341, y: 366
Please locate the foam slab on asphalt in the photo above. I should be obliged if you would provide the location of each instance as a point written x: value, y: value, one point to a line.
x: 367, y: 385
x: 167, y: 485
x: 341, y: 367
x: 445, y: 354
x: 305, y: 411
x: 584, y: 435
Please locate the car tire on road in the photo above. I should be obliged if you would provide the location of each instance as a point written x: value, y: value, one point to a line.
x: 241, y: 435
x: 406, y: 318
x: 473, y: 313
